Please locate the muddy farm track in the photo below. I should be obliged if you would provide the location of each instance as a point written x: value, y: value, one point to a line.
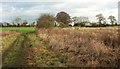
x: 29, y: 50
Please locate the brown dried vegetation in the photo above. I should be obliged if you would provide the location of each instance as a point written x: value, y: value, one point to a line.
x: 89, y: 47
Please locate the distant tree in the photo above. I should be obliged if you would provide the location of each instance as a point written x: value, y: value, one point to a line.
x: 46, y: 20
x: 24, y: 23
x: 112, y: 19
x: 13, y: 24
x: 79, y: 21
x: 7, y: 24
x: 1, y: 25
x: 100, y: 18
x: 94, y: 24
x: 63, y: 17
x: 82, y: 24
x: 76, y: 20
x: 33, y: 24
x: 104, y: 21
x: 18, y: 21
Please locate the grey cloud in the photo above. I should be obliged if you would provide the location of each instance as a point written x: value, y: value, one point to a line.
x: 34, y: 9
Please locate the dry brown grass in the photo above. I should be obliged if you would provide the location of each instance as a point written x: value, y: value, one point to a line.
x: 86, y: 47
x: 7, y: 33
x: 6, y: 37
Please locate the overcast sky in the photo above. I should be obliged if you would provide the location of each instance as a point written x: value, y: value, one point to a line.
x: 30, y: 10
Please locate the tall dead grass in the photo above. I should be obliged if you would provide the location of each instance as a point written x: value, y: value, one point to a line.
x: 85, y: 47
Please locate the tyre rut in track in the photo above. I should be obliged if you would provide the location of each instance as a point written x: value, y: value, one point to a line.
x: 28, y: 50
x: 43, y: 56
x: 17, y: 53
x: 9, y: 55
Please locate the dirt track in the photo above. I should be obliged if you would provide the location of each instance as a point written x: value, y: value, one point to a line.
x: 28, y: 50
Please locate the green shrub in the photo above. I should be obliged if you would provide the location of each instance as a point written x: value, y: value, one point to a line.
x: 45, y: 21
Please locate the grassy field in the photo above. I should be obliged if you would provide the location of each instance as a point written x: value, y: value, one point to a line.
x: 61, y: 47
x: 22, y: 29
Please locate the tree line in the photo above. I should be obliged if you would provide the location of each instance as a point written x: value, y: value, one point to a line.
x: 18, y: 22
x: 62, y: 19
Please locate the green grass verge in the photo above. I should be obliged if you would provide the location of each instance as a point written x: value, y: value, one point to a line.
x: 22, y: 29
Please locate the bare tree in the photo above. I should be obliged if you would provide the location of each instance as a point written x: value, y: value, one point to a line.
x: 33, y: 24
x: 112, y: 19
x: 80, y: 19
x: 24, y: 23
x: 100, y: 18
x: 18, y: 21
